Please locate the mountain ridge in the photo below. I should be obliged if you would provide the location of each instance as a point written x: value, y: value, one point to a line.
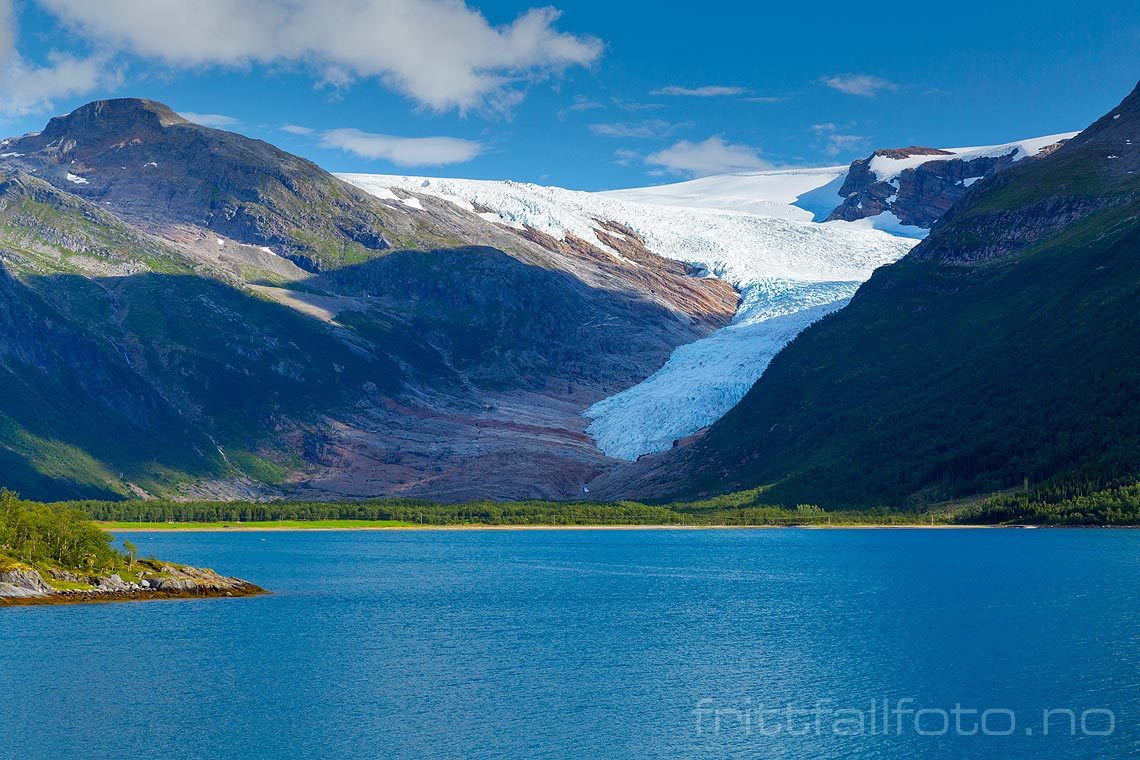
x: 288, y: 355
x: 285, y: 332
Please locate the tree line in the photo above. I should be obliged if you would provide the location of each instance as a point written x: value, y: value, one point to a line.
x: 56, y: 534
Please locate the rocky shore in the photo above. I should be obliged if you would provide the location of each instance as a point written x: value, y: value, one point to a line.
x: 24, y: 585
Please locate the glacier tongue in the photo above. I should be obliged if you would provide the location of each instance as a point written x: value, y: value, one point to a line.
x: 703, y: 380
x: 742, y: 228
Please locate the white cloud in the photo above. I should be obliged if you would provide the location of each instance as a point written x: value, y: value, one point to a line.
x: 402, y: 151
x: 712, y: 156
x: 836, y: 142
x: 7, y: 29
x: 634, y: 107
x: 215, y: 120
x: 26, y: 87
x: 581, y: 103
x: 638, y: 129
x: 708, y: 91
x: 442, y: 53
x: 625, y: 157
x: 297, y: 129
x: 859, y: 84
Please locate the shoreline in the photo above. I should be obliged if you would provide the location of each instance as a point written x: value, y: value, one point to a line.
x: 137, y: 595
x: 260, y: 528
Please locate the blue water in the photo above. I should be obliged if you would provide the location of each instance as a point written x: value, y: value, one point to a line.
x: 596, y: 644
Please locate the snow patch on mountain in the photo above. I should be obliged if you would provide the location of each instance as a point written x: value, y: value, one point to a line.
x: 887, y: 168
x: 888, y: 222
x: 744, y: 228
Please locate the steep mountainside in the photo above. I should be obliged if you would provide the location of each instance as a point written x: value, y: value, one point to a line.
x: 789, y: 271
x: 1004, y: 347
x: 285, y: 331
x: 193, y: 312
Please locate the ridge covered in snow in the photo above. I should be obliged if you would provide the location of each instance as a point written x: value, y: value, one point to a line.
x: 887, y: 168
x: 743, y: 228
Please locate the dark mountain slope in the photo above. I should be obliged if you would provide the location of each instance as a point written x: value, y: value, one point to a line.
x: 75, y: 419
x: 291, y: 331
x: 1005, y: 347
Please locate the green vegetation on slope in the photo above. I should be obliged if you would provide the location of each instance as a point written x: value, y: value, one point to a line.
x: 1034, y: 506
x: 1057, y: 506
x: 1004, y: 349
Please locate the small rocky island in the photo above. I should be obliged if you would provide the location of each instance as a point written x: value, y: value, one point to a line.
x: 56, y: 555
x: 21, y: 584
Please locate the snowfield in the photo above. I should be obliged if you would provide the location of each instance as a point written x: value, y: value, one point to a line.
x: 753, y: 230
x: 771, y: 193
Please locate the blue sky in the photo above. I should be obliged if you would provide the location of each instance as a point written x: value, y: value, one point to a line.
x: 591, y: 95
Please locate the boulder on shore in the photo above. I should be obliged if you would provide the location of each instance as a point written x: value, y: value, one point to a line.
x: 22, y: 582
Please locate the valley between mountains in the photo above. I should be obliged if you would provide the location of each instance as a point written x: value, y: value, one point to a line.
x: 191, y: 313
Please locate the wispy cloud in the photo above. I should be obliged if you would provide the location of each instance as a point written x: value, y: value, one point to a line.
x: 402, y: 151
x: 626, y: 157
x: 763, y: 99
x: 711, y: 156
x: 216, y: 120
x: 297, y: 129
x: 863, y: 85
x: 649, y: 128
x: 635, y: 107
x: 835, y: 140
x: 581, y: 103
x: 707, y: 91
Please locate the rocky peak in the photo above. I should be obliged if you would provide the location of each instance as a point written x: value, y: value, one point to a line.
x: 116, y: 115
x: 106, y: 123
x: 145, y: 163
x: 1120, y: 126
x: 1114, y: 140
x: 918, y: 195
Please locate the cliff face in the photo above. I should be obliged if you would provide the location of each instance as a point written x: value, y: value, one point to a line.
x: 919, y: 195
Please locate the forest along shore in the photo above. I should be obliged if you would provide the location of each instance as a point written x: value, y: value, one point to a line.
x: 300, y: 526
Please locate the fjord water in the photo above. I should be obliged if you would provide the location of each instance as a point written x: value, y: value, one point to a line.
x: 578, y: 643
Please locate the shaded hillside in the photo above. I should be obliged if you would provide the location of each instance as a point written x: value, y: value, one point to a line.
x: 1005, y: 347
x: 195, y: 312
x: 75, y: 418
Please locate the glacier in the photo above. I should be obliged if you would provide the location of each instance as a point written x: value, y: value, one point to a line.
x: 754, y: 230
